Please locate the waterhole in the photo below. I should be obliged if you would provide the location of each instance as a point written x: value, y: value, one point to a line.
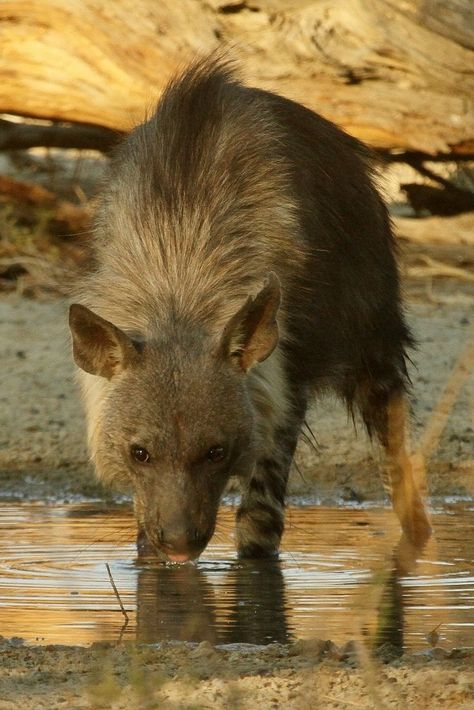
x: 342, y: 572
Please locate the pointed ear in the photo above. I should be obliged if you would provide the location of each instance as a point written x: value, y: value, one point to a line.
x: 99, y: 347
x: 251, y: 335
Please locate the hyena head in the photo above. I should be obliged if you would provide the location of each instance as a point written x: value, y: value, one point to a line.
x: 175, y: 419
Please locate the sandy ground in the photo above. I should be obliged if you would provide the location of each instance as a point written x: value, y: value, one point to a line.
x: 185, y: 676
x: 42, y: 434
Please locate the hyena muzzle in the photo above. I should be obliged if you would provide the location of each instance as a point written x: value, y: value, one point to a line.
x: 243, y: 261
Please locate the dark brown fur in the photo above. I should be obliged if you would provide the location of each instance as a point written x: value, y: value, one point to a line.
x: 223, y: 186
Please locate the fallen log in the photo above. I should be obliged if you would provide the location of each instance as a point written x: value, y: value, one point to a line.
x: 21, y: 136
x: 398, y: 75
x: 437, y: 230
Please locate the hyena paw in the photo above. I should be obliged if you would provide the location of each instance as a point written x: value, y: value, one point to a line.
x: 259, y: 530
x: 417, y: 526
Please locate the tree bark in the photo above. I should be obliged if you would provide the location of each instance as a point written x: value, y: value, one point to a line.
x: 21, y: 136
x: 398, y: 75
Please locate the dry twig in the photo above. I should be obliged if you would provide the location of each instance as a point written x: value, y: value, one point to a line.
x: 433, y: 267
x: 122, y: 608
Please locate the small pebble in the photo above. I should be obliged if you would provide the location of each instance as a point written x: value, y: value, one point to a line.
x: 203, y: 650
x: 314, y: 648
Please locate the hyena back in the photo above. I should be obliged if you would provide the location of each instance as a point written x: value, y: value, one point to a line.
x: 243, y: 261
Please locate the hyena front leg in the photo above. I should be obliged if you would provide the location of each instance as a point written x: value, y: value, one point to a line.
x: 260, y: 517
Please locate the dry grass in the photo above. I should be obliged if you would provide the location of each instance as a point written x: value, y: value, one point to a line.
x: 38, y: 256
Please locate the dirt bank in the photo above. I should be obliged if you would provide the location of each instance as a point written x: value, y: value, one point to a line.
x: 185, y: 676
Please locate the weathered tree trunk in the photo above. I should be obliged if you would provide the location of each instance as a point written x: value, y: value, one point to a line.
x: 398, y: 75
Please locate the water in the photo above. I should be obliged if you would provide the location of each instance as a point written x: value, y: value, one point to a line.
x: 341, y: 574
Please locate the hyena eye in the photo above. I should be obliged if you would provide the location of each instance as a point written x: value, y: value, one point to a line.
x: 139, y: 453
x: 215, y: 454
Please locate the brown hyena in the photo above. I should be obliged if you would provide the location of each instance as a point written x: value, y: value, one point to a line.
x: 243, y: 261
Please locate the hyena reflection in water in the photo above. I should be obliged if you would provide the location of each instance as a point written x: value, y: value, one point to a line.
x: 180, y: 602
x: 244, y: 261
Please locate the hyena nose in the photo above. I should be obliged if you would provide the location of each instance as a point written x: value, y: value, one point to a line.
x: 181, y: 543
